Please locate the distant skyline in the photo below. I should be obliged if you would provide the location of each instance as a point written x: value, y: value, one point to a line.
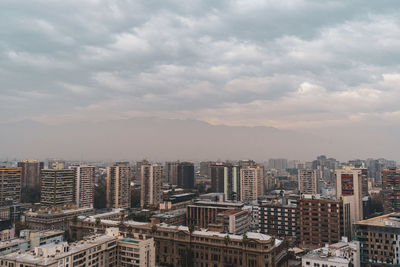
x: 325, y: 74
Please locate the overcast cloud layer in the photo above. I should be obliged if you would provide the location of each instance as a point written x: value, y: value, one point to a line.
x: 326, y: 67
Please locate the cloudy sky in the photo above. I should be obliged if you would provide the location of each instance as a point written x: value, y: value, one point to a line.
x: 309, y: 66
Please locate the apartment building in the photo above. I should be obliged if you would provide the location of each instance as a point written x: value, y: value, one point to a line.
x: 379, y: 239
x: 118, y: 181
x: 151, y: 183
x: 10, y: 185
x: 57, y: 187
x: 251, y: 183
x: 84, y: 181
x: 391, y: 190
x: 232, y: 222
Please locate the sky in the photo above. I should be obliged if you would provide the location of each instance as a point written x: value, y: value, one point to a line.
x: 324, y: 68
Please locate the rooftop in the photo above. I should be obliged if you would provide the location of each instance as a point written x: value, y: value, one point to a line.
x: 387, y: 220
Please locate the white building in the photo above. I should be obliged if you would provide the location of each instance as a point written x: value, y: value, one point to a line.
x: 341, y: 254
x: 251, y: 183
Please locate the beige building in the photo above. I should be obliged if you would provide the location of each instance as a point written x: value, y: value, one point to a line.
x: 57, y: 187
x: 308, y: 181
x: 107, y: 250
x: 84, y: 180
x: 10, y: 185
x: 251, y: 182
x: 349, y: 182
x: 175, y: 243
x: 118, y: 186
x: 151, y: 185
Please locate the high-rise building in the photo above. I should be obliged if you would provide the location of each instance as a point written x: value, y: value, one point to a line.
x: 379, y: 240
x: 279, y: 164
x: 205, y: 168
x: 351, y: 181
x: 171, y: 172
x: 217, y: 177
x: 308, y: 181
x: 118, y: 193
x: 185, y: 175
x: 10, y: 185
x: 84, y: 180
x: 151, y: 185
x: 320, y: 221
x: 391, y: 190
x: 31, y: 172
x: 251, y: 183
x: 57, y: 187
x: 231, y: 182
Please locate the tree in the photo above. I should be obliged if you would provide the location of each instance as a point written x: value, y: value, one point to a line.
x: 227, y: 240
x: 129, y: 229
x: 245, y: 242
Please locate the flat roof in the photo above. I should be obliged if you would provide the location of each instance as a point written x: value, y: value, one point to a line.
x: 387, y: 220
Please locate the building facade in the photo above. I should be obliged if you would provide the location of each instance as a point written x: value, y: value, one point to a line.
x: 185, y: 175
x: 118, y: 193
x: 391, y: 190
x: 231, y: 182
x: 308, y: 181
x: 379, y: 239
x: 10, y: 185
x: 57, y: 187
x: 251, y: 183
x: 151, y: 185
x: 232, y: 222
x: 31, y: 176
x: 278, y: 219
x: 84, y: 181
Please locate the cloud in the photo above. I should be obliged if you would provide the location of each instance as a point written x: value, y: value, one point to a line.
x: 290, y: 64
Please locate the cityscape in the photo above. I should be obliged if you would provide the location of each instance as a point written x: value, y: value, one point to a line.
x: 212, y: 213
x: 172, y: 133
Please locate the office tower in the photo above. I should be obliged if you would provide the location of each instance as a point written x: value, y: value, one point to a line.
x: 379, y: 240
x: 151, y: 185
x: 118, y: 186
x: 231, y: 182
x: 351, y: 182
x: 217, y: 177
x: 171, y: 172
x: 186, y: 175
x: 31, y: 172
x: 251, y: 183
x: 391, y: 190
x: 205, y: 170
x: 10, y: 185
x: 138, y: 168
x: 57, y: 187
x: 84, y: 180
x: 308, y: 181
x: 56, y: 164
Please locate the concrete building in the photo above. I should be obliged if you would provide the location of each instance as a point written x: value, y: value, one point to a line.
x: 134, y: 252
x: 232, y: 222
x: 118, y: 186
x: 84, y: 181
x: 278, y: 218
x: 98, y: 250
x: 171, y: 172
x: 178, y: 201
x: 57, y: 187
x: 253, y: 210
x: 30, y: 239
x: 174, y: 243
x: 54, y: 219
x: 202, y: 213
x: 379, y: 239
x: 308, y: 181
x: 10, y: 185
x: 173, y: 217
x: 231, y: 182
x: 151, y: 185
x: 185, y: 175
x: 320, y: 221
x: 351, y: 182
x: 217, y: 177
x: 341, y: 254
x: 31, y: 174
x: 391, y: 190
x: 251, y: 183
